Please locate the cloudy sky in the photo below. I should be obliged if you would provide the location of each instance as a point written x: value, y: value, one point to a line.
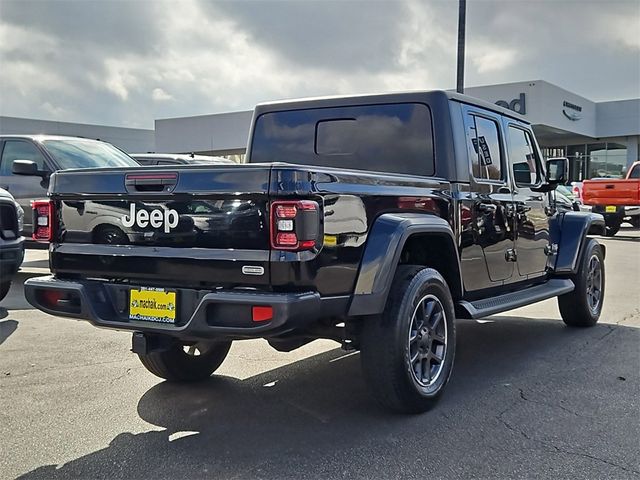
x: 128, y: 62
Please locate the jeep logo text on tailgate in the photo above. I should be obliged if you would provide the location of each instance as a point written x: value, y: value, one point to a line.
x: 155, y: 218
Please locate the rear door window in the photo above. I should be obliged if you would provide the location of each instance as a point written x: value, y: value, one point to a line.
x: 393, y: 138
x: 484, y: 148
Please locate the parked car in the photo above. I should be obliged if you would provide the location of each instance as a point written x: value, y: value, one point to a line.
x: 564, y: 199
x: 40, y: 155
x: 617, y: 199
x: 397, y: 214
x: 179, y: 159
x: 11, y: 240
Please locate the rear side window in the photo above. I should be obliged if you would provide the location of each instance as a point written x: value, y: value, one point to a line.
x: 635, y: 173
x: 145, y: 161
x: 393, y: 138
x: 19, y: 150
x: 525, y: 162
x: 484, y: 148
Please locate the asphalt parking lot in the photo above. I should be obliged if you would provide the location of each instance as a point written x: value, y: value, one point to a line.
x: 529, y: 398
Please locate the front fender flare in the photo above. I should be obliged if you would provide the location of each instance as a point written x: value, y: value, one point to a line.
x: 569, y: 232
x: 381, y: 256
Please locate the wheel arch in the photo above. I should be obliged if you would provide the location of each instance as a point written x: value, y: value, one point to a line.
x: 397, y: 239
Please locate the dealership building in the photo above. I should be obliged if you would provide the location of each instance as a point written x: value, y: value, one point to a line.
x: 599, y: 138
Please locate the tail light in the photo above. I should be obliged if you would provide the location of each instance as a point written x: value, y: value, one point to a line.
x: 42, y: 220
x: 295, y: 225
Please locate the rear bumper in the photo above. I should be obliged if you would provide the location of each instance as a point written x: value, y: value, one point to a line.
x: 201, y: 314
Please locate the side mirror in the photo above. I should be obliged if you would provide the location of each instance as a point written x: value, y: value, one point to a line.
x: 557, y: 171
x: 28, y: 167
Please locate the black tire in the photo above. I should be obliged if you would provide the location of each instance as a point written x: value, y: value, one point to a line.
x: 4, y: 289
x: 176, y: 365
x: 387, y: 348
x: 635, y: 221
x: 611, y: 230
x: 110, y: 235
x: 582, y: 306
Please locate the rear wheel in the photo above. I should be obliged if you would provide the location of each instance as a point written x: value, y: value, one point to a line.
x: 582, y: 306
x: 407, y: 353
x: 186, y: 362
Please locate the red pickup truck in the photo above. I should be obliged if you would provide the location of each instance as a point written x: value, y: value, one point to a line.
x: 615, y: 199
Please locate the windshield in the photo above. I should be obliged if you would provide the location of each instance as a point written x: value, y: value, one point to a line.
x: 81, y: 153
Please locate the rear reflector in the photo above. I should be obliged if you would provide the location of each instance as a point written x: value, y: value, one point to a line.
x: 50, y: 298
x: 261, y: 314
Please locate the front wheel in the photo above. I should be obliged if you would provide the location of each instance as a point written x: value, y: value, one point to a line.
x: 582, y: 306
x: 407, y: 353
x: 186, y: 362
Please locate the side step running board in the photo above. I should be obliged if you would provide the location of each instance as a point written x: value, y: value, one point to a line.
x: 509, y: 301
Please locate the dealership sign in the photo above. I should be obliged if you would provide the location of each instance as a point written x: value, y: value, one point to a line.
x: 518, y: 105
x: 571, y: 111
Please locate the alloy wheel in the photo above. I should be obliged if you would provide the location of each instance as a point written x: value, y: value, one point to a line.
x: 594, y: 284
x: 427, y: 340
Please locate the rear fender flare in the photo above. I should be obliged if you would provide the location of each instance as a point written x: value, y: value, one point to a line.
x: 385, y: 243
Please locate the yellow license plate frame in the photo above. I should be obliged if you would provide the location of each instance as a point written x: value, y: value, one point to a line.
x: 610, y: 209
x: 150, y: 304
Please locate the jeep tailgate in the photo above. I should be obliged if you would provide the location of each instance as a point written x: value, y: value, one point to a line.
x: 196, y: 226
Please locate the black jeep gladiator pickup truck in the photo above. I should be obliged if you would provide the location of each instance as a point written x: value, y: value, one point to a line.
x: 375, y: 221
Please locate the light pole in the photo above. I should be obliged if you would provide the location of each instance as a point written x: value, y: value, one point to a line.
x: 462, y: 13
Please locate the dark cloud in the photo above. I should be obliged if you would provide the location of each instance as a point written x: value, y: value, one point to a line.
x: 126, y: 26
x: 335, y: 34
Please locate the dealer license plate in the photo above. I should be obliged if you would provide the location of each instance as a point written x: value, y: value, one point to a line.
x: 610, y: 209
x: 152, y: 305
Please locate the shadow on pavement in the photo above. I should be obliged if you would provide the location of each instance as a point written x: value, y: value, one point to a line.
x: 15, y: 300
x: 7, y: 327
x: 622, y: 238
x: 315, y: 419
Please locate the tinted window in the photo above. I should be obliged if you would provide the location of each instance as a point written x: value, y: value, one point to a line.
x: 526, y: 170
x: 170, y: 162
x: 81, y: 153
x: 145, y: 161
x: 19, y: 150
x: 635, y: 173
x: 484, y: 148
x: 390, y: 138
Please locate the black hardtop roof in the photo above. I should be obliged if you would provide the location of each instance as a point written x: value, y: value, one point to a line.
x: 429, y: 97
